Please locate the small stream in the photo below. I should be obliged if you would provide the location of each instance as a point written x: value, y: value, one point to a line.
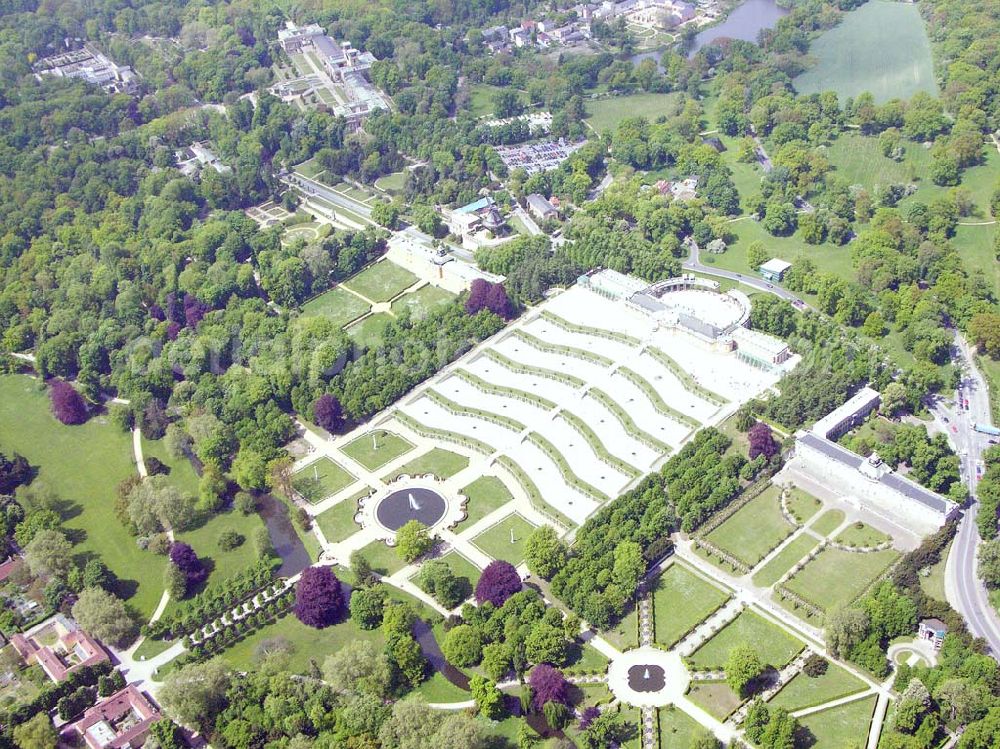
x: 424, y: 636
x: 286, y: 542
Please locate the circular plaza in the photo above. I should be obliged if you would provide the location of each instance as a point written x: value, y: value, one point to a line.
x: 420, y: 498
x: 648, y: 677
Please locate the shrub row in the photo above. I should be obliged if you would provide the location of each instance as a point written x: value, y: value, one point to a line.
x: 534, y: 495
x: 215, y: 601
x: 228, y: 636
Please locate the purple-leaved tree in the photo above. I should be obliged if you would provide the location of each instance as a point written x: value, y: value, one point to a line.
x: 762, y: 442
x: 328, y: 413
x: 67, y: 404
x: 498, y: 582
x: 547, y: 685
x: 184, y: 558
x: 319, y: 598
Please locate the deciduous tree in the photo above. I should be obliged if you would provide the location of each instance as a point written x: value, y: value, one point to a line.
x: 319, y: 598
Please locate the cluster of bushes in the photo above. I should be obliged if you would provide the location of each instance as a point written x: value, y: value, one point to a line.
x: 214, y: 602
x: 229, y: 635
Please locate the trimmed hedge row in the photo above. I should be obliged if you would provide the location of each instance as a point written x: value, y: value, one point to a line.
x: 458, y: 409
x: 527, y: 369
x: 686, y: 380
x: 503, y: 391
x: 534, y: 495
x: 611, y: 335
x: 569, y: 476
x: 470, y: 443
x: 558, y: 348
x: 598, y: 447
x: 654, y: 397
x: 628, y: 424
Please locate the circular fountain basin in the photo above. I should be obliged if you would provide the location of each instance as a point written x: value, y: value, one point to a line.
x: 646, y: 678
x: 404, y: 505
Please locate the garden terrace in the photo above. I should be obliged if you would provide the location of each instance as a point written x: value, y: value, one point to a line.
x: 682, y: 599
x: 835, y: 578
x: 754, y: 530
x: 774, y: 645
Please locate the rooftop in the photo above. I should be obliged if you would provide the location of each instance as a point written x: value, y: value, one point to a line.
x: 121, y: 720
x: 860, y: 400
x: 775, y: 265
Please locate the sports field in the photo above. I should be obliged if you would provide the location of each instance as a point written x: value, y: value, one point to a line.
x: 881, y: 47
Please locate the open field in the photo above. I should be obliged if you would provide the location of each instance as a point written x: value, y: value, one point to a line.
x: 859, y: 534
x: 975, y: 246
x: 682, y: 599
x: 337, y: 523
x: 676, y: 728
x: 775, y: 646
x: 605, y: 114
x: 391, y: 182
x: 320, y: 479
x: 496, y: 540
x: 484, y: 495
x: 381, y: 281
x: 881, y: 47
x: 806, y: 691
x: 715, y: 697
x: 205, y: 541
x: 784, y: 560
x: 82, y: 465
x: 423, y: 301
x: 755, y: 529
x: 838, y: 726
x: 369, y: 332
x: 828, y: 522
x: 384, y: 559
x: 337, y: 305
x: 308, y: 644
x: 376, y: 448
x: 834, y: 578
x: 441, y: 463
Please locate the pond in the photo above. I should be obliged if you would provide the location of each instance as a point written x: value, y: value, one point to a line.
x: 404, y: 505
x: 284, y: 539
x: 745, y: 22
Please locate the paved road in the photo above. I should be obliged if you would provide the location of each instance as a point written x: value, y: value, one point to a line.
x: 693, y: 263
x: 962, y: 585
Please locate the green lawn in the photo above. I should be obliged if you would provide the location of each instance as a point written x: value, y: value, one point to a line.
x: 321, y: 479
x: 828, y: 522
x: 859, y: 534
x: 495, y: 541
x: 933, y: 582
x: 370, y: 332
x: 205, y: 541
x: 625, y: 634
x: 481, y: 99
x: 682, y: 599
x: 460, y: 567
x: 715, y: 697
x: 842, y: 726
x: 881, y: 47
x: 438, y: 689
x: 391, y: 182
x: 676, y: 728
x: 485, y: 494
x: 384, y: 559
x: 308, y: 644
x: 338, y: 305
x: 834, y: 578
x: 802, y: 505
x: 337, y: 523
x: 975, y: 246
x: 376, y: 448
x: 181, y: 474
x: 784, y: 560
x: 442, y: 463
x: 755, y: 529
x: 423, y: 301
x: 381, y: 281
x: 82, y: 465
x: 773, y: 644
x: 605, y: 114
x: 806, y: 691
